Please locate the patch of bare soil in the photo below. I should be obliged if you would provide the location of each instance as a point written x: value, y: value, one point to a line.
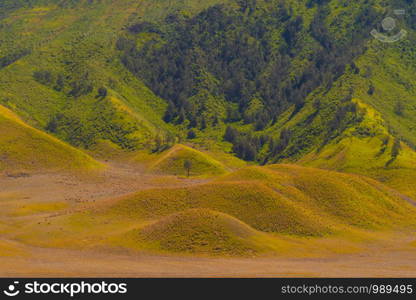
x: 65, y: 263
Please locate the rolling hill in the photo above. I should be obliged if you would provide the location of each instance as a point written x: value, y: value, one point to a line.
x: 173, y: 160
x: 281, y: 198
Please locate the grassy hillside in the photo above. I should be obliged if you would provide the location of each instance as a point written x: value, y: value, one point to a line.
x: 374, y: 146
x: 277, y: 202
x: 369, y: 157
x: 330, y: 73
x: 57, y: 55
x: 24, y: 148
x: 173, y: 160
x: 388, y: 71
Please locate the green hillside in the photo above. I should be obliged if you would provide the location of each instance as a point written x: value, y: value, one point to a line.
x: 25, y: 149
x: 379, y: 154
x: 284, y: 85
x: 64, y: 52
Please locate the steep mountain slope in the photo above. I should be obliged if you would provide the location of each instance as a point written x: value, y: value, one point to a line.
x: 55, y: 57
x: 253, y: 64
x: 25, y: 149
x: 369, y: 149
x: 290, y: 84
x: 57, y: 54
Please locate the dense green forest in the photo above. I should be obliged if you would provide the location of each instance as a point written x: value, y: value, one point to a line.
x: 258, y: 60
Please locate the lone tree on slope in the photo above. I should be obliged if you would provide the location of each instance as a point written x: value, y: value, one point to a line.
x: 187, y: 165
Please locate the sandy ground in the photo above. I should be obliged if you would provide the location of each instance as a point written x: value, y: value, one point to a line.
x: 394, y: 260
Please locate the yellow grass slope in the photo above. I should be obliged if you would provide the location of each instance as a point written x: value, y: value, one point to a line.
x: 24, y: 148
x: 369, y: 157
x: 172, y: 162
x: 346, y: 198
x: 251, y: 202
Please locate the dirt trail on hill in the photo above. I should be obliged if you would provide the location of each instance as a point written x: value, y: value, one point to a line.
x: 392, y: 260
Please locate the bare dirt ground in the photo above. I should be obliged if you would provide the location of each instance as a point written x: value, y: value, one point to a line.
x: 65, y: 263
x: 394, y: 259
x: 117, y: 180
